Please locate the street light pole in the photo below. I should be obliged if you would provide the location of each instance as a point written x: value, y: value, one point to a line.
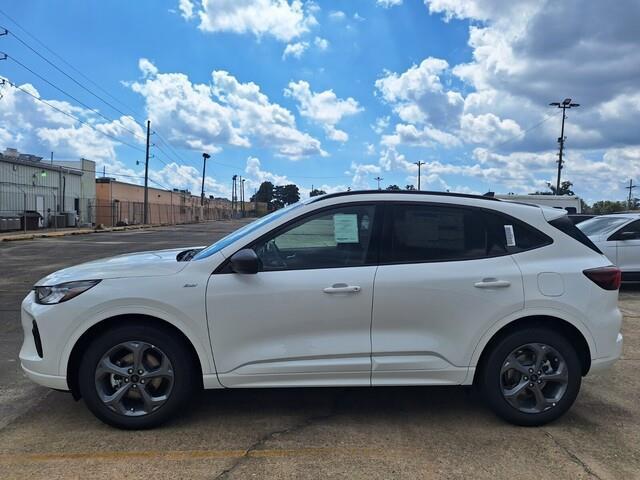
x: 564, y: 105
x: 204, y: 167
x: 419, y: 164
x: 378, y: 179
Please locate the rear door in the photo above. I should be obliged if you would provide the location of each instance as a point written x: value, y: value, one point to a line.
x: 445, y: 277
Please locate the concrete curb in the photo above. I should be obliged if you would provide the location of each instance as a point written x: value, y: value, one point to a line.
x: 80, y: 231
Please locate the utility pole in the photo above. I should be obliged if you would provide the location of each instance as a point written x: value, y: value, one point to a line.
x: 630, y: 188
x: 564, y: 105
x: 378, y: 179
x: 145, y: 215
x: 204, y: 168
x: 242, y: 180
x: 419, y: 164
x: 234, y: 195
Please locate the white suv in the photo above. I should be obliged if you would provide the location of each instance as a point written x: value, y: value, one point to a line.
x: 618, y: 236
x: 350, y: 289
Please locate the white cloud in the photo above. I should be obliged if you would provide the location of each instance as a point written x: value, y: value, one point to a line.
x: 418, y: 95
x: 361, y: 173
x: 282, y: 19
x: 324, y: 108
x: 32, y: 126
x: 337, y: 15
x: 389, y: 3
x: 407, y: 134
x: 186, y: 9
x: 381, y: 124
x: 227, y: 112
x: 257, y: 175
x: 370, y: 149
x: 321, y: 43
x: 295, y: 49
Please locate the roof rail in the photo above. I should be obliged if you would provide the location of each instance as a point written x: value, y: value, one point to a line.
x: 406, y: 192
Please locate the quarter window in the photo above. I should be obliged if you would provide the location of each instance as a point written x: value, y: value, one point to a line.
x: 341, y: 237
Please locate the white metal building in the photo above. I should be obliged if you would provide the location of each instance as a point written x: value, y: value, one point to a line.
x: 60, y: 194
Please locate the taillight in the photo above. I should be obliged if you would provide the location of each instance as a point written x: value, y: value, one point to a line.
x: 608, y: 278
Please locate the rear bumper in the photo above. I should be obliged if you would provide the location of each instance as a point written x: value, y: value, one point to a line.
x: 599, y: 365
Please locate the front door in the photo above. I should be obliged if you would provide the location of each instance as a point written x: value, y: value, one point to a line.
x: 304, y: 319
x: 627, y: 241
x: 445, y: 277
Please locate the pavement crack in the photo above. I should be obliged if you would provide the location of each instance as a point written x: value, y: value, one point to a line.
x: 258, y: 444
x: 577, y: 460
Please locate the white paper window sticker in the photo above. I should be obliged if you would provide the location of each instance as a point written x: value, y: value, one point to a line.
x: 511, y: 237
x: 345, y: 228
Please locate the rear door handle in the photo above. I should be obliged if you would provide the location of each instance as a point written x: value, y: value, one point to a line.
x: 341, y: 288
x: 492, y: 283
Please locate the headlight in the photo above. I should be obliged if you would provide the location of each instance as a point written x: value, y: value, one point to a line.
x: 62, y: 292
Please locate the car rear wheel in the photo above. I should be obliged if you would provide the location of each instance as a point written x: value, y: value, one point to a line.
x: 531, y: 376
x: 136, y: 376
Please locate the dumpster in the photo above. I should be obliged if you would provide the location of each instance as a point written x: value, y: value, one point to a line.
x: 32, y: 218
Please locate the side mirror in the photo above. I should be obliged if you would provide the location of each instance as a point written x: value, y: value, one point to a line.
x: 628, y: 235
x: 245, y: 261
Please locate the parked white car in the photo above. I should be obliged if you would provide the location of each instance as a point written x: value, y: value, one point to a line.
x: 618, y: 236
x: 350, y: 289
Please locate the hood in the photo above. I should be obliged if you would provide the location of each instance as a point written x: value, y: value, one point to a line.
x: 142, y: 264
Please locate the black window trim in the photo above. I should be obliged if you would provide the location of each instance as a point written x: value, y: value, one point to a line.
x: 615, y: 236
x: 384, y: 241
x: 381, y: 231
x: 225, y: 267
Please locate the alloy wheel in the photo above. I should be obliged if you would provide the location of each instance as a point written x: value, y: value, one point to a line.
x: 134, y: 378
x: 534, y: 378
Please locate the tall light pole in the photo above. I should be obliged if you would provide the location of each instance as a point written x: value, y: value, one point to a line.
x: 145, y: 215
x: 564, y: 105
x: 419, y: 164
x: 378, y: 179
x: 204, y: 167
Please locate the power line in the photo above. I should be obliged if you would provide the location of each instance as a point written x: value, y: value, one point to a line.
x: 75, y: 118
x: 97, y: 112
x: 65, y: 61
x: 64, y: 73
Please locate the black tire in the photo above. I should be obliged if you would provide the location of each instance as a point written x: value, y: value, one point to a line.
x: 491, y: 381
x: 183, y: 371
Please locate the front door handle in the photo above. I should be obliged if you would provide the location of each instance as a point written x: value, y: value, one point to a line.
x: 492, y: 283
x: 341, y: 288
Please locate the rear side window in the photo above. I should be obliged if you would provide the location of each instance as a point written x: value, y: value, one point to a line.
x: 566, y: 226
x: 430, y: 233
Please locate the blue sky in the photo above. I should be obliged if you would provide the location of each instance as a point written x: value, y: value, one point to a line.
x: 331, y: 93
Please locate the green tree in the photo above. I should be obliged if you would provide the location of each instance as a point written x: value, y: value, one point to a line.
x: 264, y: 193
x: 565, y: 189
x: 409, y: 187
x: 315, y: 192
x: 285, y: 195
x: 393, y: 187
x: 608, y: 206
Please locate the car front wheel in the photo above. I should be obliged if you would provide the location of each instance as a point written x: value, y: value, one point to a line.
x: 531, y: 376
x: 136, y: 376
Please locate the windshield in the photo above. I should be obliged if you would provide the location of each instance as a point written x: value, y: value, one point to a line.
x: 244, y: 231
x: 598, y: 225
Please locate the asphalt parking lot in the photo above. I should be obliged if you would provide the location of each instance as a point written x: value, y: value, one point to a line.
x: 306, y: 433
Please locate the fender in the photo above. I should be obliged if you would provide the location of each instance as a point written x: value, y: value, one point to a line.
x: 527, y: 312
x: 202, y: 350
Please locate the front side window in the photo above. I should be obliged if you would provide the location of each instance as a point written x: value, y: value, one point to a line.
x: 431, y: 233
x: 340, y: 237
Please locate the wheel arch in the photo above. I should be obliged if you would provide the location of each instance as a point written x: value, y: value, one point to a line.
x: 562, y: 326
x: 95, y: 330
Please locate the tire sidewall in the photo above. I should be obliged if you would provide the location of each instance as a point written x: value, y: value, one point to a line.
x: 176, y: 351
x: 490, y: 376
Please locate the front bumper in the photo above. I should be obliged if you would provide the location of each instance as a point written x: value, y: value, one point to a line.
x: 39, y: 362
